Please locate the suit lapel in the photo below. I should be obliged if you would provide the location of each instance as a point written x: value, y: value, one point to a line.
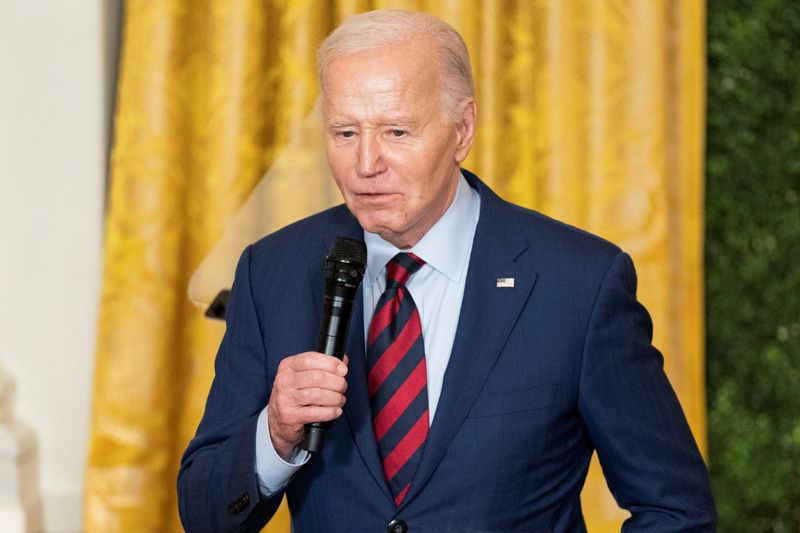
x: 488, y: 314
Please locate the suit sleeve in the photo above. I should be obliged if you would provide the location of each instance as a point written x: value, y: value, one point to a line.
x: 649, y: 457
x: 217, y: 484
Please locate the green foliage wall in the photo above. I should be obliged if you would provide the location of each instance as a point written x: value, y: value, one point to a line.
x: 753, y: 263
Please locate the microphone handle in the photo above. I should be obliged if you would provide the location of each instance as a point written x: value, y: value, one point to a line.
x: 331, y: 341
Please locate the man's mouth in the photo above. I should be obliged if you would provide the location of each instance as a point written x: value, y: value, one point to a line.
x: 375, y: 194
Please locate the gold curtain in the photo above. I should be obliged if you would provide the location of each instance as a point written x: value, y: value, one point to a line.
x: 589, y: 111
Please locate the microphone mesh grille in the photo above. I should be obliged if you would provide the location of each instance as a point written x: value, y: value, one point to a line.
x: 350, y: 250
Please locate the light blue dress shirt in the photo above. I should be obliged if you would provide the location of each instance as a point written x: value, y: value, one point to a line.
x: 437, y: 289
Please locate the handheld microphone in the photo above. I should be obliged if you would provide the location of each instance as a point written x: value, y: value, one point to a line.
x: 344, y: 269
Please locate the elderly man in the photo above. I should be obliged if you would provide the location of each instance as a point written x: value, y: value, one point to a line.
x: 492, y: 350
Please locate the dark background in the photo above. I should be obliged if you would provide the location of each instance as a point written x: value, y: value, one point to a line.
x: 753, y: 263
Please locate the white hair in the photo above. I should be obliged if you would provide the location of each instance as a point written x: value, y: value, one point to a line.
x: 374, y: 29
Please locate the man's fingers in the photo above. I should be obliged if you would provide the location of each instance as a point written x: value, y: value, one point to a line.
x: 315, y: 361
x: 309, y: 387
x: 299, y: 416
x: 318, y: 397
x: 321, y: 414
x: 319, y: 379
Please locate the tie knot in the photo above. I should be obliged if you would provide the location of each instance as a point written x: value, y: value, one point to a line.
x: 400, y: 268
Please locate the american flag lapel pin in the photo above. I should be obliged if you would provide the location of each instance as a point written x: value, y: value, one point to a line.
x: 505, y: 282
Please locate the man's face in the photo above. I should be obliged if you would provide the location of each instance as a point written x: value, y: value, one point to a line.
x: 392, y: 154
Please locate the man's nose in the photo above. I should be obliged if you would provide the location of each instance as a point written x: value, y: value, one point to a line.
x: 370, y: 157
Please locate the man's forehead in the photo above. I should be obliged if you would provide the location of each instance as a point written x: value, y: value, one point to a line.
x: 384, y: 108
x: 382, y: 69
x: 400, y: 106
x: 363, y: 87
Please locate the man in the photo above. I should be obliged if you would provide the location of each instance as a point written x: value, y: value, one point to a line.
x: 486, y: 362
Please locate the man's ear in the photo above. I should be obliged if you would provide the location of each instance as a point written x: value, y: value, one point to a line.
x: 465, y: 129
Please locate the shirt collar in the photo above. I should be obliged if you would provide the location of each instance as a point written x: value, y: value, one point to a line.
x: 444, y: 247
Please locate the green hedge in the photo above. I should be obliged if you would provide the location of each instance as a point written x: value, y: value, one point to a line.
x: 753, y: 263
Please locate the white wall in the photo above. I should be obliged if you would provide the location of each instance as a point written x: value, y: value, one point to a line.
x: 55, y: 86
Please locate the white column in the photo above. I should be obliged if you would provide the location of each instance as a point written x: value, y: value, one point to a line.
x: 56, y: 79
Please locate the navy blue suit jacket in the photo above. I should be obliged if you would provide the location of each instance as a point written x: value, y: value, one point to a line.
x: 540, y: 376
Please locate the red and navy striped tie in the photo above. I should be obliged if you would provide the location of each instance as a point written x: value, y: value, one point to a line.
x: 397, y: 376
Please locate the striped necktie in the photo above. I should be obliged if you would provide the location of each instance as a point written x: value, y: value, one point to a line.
x: 397, y: 376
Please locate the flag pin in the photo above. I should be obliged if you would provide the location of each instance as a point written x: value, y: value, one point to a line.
x: 505, y: 282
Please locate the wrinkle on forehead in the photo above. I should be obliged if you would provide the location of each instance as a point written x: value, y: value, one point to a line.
x: 381, y: 84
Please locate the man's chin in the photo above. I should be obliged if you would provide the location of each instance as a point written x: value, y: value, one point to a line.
x: 374, y: 219
x: 378, y: 227
x: 381, y: 227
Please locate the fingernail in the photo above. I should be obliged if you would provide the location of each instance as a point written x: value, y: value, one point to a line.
x: 341, y: 369
x: 338, y: 411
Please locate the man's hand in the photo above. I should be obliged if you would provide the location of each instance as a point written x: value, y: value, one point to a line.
x: 309, y: 387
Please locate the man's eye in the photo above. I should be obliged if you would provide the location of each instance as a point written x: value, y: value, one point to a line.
x: 345, y: 134
x: 398, y: 133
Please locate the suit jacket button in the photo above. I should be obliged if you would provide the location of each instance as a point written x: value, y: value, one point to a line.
x: 240, y: 504
x: 398, y: 525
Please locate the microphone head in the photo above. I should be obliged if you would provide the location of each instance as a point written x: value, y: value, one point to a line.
x: 353, y: 251
x: 346, y: 262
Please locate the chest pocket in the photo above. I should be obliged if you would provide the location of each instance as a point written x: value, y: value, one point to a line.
x: 496, y: 403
